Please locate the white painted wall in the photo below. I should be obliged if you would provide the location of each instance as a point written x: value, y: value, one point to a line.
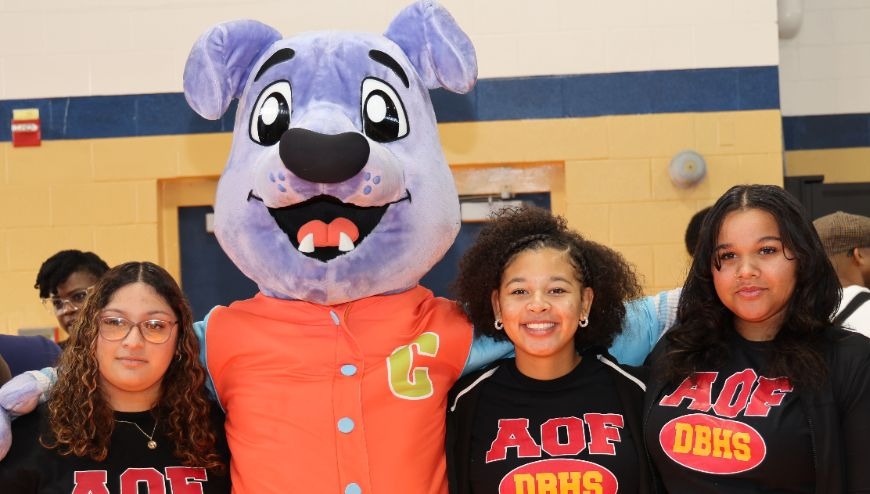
x: 825, y: 68
x: 51, y: 48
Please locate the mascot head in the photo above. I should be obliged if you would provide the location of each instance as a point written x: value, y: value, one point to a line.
x: 336, y: 186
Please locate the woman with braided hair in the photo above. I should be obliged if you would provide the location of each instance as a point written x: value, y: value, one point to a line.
x: 129, y: 409
x: 562, y: 415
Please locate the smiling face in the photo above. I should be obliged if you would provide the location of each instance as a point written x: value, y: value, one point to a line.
x: 132, y: 369
x: 317, y: 194
x: 541, y: 301
x: 757, y: 274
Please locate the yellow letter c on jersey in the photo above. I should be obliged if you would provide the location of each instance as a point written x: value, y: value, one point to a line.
x: 407, y: 382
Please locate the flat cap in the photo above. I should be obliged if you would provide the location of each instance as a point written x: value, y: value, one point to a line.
x: 841, y: 231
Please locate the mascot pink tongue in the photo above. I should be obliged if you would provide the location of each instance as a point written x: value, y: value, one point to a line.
x: 336, y: 199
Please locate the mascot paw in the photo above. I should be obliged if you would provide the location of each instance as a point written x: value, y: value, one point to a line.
x: 21, y: 394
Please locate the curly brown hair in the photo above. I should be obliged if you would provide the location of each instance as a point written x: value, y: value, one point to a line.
x: 515, y: 230
x: 81, y: 418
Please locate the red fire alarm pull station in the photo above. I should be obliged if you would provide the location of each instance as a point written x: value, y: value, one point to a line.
x: 26, y: 129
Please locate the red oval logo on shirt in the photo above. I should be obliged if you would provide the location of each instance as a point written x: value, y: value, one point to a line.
x: 712, y: 445
x: 558, y: 475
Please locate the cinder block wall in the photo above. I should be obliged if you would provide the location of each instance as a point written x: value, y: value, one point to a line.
x: 117, y: 194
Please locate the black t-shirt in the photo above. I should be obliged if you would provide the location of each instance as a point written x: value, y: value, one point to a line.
x: 130, y: 467
x: 563, y: 435
x: 734, y: 430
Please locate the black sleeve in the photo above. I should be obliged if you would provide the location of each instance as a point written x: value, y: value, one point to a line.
x: 851, y: 381
x: 20, y: 469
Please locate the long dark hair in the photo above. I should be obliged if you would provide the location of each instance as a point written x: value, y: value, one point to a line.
x: 699, y: 339
x: 513, y: 231
x: 80, y: 416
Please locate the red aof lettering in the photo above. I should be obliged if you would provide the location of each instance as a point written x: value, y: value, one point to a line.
x: 697, y: 388
x: 513, y: 433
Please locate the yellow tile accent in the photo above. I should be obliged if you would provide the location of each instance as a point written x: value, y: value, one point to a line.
x: 645, y: 223
x: 52, y: 162
x: 4, y: 252
x: 607, y: 181
x: 203, y: 155
x: 591, y: 220
x: 29, y: 247
x: 628, y: 136
x: 19, y: 303
x: 25, y: 205
x: 671, y: 133
x: 837, y: 165
x: 671, y: 264
x: 135, y: 158
x: 127, y: 242
x: 761, y: 168
x: 524, y: 140
x: 641, y: 257
x: 146, y: 201
x: 106, y: 203
x: 738, y: 132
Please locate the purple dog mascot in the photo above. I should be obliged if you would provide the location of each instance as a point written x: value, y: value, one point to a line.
x: 337, y: 199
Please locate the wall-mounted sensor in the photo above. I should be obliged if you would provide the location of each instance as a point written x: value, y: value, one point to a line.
x: 687, y: 169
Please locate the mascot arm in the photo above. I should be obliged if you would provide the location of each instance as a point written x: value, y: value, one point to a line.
x: 645, y: 321
x: 485, y: 350
x: 201, y: 329
x: 20, y: 396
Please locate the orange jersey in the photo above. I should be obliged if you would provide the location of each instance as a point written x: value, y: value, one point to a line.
x: 345, y: 399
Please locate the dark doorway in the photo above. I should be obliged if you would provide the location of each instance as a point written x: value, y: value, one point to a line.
x: 208, y: 277
x: 819, y: 198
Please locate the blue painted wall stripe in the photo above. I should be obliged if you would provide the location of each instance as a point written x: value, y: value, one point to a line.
x: 826, y: 131
x: 625, y: 93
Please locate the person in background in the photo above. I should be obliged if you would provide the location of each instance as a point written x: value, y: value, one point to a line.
x: 693, y: 230
x: 24, y: 353
x: 129, y: 408
x: 846, y: 239
x: 64, y: 282
x: 559, y: 298
x: 753, y: 389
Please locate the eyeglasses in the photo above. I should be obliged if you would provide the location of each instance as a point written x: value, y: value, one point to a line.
x: 153, y: 330
x: 75, y: 300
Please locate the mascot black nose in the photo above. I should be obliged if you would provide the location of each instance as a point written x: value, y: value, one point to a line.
x: 323, y: 158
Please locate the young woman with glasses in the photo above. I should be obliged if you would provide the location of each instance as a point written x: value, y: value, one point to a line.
x: 129, y: 407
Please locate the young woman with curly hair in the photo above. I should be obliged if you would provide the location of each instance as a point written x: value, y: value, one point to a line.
x: 562, y: 416
x: 753, y: 389
x: 129, y: 406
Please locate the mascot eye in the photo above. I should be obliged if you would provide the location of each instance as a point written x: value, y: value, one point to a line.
x: 383, y: 114
x: 271, y: 115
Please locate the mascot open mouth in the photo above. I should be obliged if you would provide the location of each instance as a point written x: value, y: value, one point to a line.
x: 324, y: 228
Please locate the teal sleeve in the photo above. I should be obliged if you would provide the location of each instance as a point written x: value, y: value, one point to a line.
x: 646, y: 319
x: 485, y: 350
x: 201, y: 329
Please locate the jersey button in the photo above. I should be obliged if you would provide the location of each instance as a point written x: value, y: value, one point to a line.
x: 345, y: 425
x: 348, y: 370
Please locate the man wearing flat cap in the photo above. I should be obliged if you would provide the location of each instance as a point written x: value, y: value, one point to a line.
x: 846, y: 238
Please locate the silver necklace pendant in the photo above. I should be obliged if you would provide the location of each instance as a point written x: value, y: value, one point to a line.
x: 152, y: 444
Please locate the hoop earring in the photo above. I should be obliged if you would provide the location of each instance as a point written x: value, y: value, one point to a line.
x: 498, y: 324
x: 583, y: 322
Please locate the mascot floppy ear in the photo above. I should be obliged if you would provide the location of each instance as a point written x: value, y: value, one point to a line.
x: 219, y: 64
x: 436, y: 46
